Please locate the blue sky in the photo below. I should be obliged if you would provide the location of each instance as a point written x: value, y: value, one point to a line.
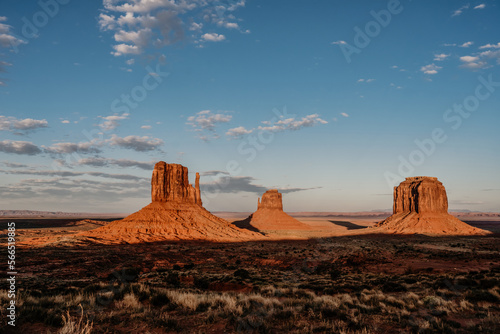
x: 332, y: 102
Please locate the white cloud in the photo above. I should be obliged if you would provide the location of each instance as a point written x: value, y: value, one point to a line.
x: 231, y: 25
x: 440, y: 56
x: 26, y: 124
x: 460, y: 10
x: 69, y: 148
x: 430, y: 69
x: 146, y: 127
x: 112, y: 121
x: 107, y: 162
x: 365, y: 80
x: 7, y: 38
x: 473, y: 62
x: 125, y: 49
x: 65, y: 121
x: 141, y: 24
x: 196, y: 26
x: 130, y: 61
x: 206, y: 120
x: 339, y: 42
x: 481, y: 6
x: 19, y: 147
x: 213, y: 37
x: 136, y: 143
x: 344, y: 114
x: 292, y: 123
x: 490, y: 46
x: 466, y: 44
x: 468, y: 59
x: 238, y: 132
x: 474, y: 65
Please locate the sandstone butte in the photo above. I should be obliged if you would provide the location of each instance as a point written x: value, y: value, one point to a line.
x: 421, y: 206
x: 270, y: 215
x: 175, y: 213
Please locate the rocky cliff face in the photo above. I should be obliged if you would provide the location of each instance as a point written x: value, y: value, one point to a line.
x: 421, y: 206
x: 420, y: 194
x: 170, y: 183
x: 271, y: 199
x: 176, y: 213
x: 270, y: 216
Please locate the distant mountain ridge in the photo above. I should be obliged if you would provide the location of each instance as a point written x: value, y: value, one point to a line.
x: 49, y: 214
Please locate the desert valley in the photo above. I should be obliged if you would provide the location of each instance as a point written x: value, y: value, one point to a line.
x: 175, y: 267
x: 249, y: 166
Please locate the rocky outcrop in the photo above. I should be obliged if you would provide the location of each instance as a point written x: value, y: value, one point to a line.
x: 270, y: 216
x: 271, y: 199
x: 170, y: 183
x: 175, y: 213
x: 421, y: 206
x: 420, y: 194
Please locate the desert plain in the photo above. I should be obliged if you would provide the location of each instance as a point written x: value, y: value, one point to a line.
x: 173, y: 267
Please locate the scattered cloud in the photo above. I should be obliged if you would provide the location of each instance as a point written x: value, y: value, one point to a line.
x: 138, y: 25
x: 344, y: 114
x: 69, y: 148
x: 468, y: 59
x: 67, y: 173
x: 111, y: 122
x: 466, y: 44
x: 14, y: 164
x: 213, y: 37
x: 69, y: 190
x: 292, y: 123
x: 481, y: 6
x: 238, y: 132
x: 224, y: 183
x: 205, y: 120
x: 146, y: 127
x: 108, y: 162
x: 26, y: 124
x: 339, y: 43
x: 460, y: 10
x: 430, y: 69
x: 472, y: 63
x: 65, y: 121
x: 136, y: 143
x: 490, y: 46
x: 366, y: 80
x: 19, y: 147
x: 441, y: 56
x: 7, y: 37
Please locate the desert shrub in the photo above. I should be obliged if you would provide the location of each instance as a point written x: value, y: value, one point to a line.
x: 72, y: 326
x: 129, y: 302
x: 167, y: 322
x: 242, y: 273
x: 480, y: 296
x: 159, y: 298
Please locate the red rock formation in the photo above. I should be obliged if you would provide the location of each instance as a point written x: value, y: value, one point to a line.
x: 176, y: 213
x: 170, y: 183
x: 421, y: 206
x: 271, y: 199
x: 270, y: 216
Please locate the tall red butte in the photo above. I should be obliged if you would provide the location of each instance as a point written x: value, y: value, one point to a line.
x: 421, y: 206
x: 175, y: 213
x: 270, y: 215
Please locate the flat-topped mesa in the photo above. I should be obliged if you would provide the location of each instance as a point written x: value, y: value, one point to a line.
x: 421, y: 194
x: 271, y: 199
x: 170, y: 183
x: 421, y: 206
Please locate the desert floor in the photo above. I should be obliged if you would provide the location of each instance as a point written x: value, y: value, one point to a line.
x: 341, y: 280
